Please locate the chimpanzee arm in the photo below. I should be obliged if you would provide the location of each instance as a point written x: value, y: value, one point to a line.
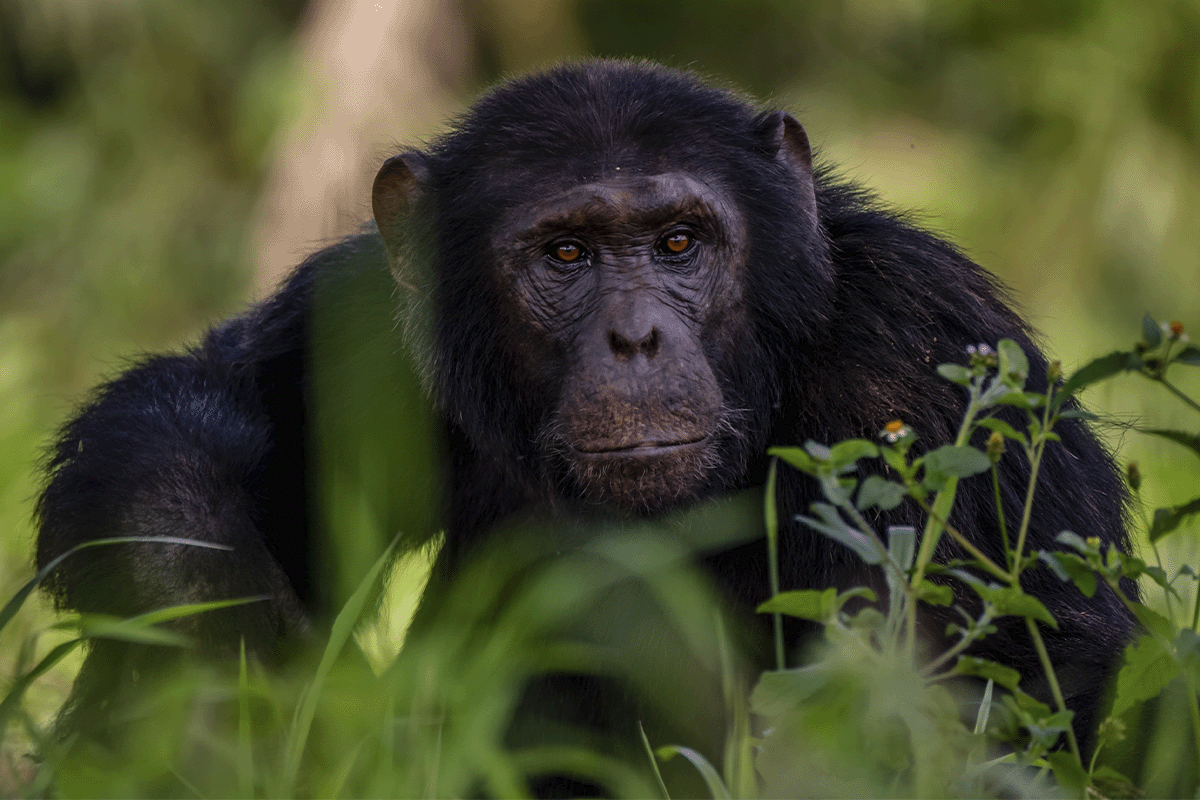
x: 206, y: 445
x: 175, y: 447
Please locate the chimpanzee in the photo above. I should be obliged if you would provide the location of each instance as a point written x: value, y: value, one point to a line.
x: 622, y: 286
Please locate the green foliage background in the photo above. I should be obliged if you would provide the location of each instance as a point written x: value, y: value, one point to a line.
x: 1058, y: 143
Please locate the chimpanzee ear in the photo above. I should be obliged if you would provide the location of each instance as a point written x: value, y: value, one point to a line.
x: 397, y: 187
x: 784, y: 139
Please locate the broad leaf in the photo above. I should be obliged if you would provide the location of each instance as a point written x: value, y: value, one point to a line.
x: 1013, y: 602
x: 1014, y: 367
x: 1003, y: 428
x: 956, y: 462
x: 1070, y: 567
x: 1189, y: 440
x: 847, y: 452
x: 1168, y: 519
x: 935, y: 594
x: 796, y: 457
x: 1190, y: 356
x: 879, y: 492
x: 814, y: 604
x: 955, y: 373
x: 982, y: 668
x: 1148, y: 668
x: 1151, y: 330
x: 1096, y: 371
x: 832, y: 525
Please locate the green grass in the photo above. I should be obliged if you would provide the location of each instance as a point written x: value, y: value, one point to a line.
x: 868, y: 714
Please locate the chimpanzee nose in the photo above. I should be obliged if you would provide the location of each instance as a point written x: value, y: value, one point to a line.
x: 625, y: 347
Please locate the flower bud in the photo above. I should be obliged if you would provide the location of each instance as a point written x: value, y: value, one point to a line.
x: 1053, y: 372
x: 995, y: 447
x: 1133, y: 475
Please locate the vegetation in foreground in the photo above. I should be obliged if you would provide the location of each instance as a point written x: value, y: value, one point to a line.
x: 869, y: 714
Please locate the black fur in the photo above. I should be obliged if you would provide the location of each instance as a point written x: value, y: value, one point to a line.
x: 847, y: 317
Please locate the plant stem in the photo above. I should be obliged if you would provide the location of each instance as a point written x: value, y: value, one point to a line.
x: 939, y: 513
x: 1195, y: 713
x: 1166, y: 589
x: 1035, y: 462
x: 1179, y: 394
x: 1008, y: 554
x: 1196, y: 611
x: 772, y: 522
x: 966, y: 544
x: 959, y: 646
x: 1055, y: 691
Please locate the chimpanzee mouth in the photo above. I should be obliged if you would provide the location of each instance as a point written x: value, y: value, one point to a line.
x: 641, y: 449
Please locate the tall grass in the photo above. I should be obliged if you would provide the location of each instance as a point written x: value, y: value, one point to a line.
x: 467, y: 707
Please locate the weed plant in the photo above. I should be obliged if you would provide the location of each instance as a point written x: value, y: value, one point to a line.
x: 869, y: 713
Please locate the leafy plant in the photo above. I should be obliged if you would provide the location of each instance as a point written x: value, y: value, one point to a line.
x: 868, y: 714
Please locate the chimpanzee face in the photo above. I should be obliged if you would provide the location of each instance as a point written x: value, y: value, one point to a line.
x: 627, y: 284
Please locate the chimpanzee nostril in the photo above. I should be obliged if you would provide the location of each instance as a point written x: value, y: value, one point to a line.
x: 624, y: 348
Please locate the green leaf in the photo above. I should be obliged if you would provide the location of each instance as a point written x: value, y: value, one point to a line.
x: 814, y: 604
x: 1070, y: 567
x: 902, y: 544
x: 1187, y: 644
x: 894, y: 458
x: 1014, y: 602
x: 879, y: 492
x: 1025, y: 400
x: 1189, y: 440
x: 1153, y: 621
x: 1094, y: 372
x: 1014, y: 367
x: 935, y: 594
x: 1151, y: 330
x: 1168, y: 519
x: 1148, y: 668
x: 796, y: 457
x: 817, y: 450
x: 847, y: 452
x: 1003, y: 428
x: 955, y: 373
x: 712, y: 779
x: 15, y: 602
x: 1190, y: 355
x: 16, y: 691
x: 869, y: 619
x: 985, y: 709
x: 1055, y: 566
x: 956, y: 462
x: 1068, y: 772
x: 340, y: 633
x: 1072, y: 539
x: 837, y: 490
x: 832, y: 525
x: 982, y: 668
x: 850, y: 594
x: 778, y: 692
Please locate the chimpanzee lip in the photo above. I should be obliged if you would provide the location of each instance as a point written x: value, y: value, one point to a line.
x: 641, y: 449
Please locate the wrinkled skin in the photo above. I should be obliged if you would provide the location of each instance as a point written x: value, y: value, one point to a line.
x: 649, y: 279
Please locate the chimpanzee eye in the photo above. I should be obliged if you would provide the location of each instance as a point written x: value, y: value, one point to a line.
x: 676, y: 243
x: 566, y: 251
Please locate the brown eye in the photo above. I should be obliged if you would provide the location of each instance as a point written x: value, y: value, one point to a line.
x: 566, y: 251
x: 677, y: 242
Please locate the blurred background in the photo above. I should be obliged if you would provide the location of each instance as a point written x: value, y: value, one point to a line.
x: 162, y: 163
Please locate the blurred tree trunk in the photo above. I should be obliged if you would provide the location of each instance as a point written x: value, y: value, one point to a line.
x: 381, y: 75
